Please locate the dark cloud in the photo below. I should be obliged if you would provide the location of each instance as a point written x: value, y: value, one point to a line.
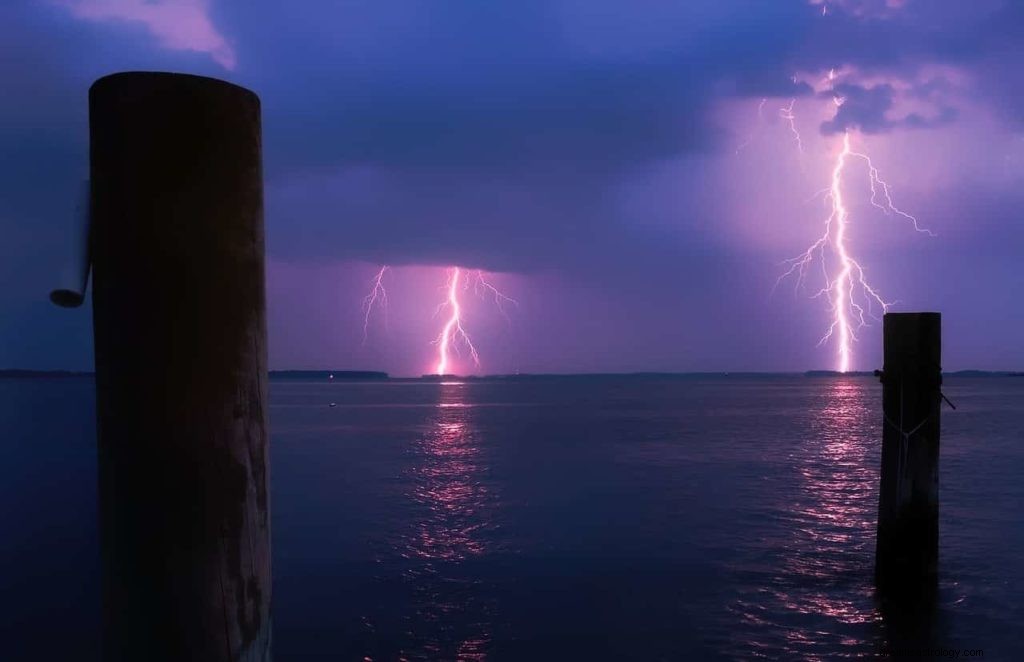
x: 981, y: 37
x: 553, y: 220
x: 998, y: 66
x: 870, y: 109
x: 490, y: 134
x: 598, y: 118
x: 488, y: 89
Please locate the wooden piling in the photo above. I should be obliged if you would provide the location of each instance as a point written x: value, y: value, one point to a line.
x: 908, y: 500
x: 181, y: 368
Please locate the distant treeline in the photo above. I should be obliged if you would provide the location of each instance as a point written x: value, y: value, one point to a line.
x: 955, y: 373
x: 984, y: 373
x: 329, y: 375
x: 343, y: 375
x: 42, y: 374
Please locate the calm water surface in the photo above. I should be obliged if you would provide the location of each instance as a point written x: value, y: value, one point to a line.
x: 573, y: 518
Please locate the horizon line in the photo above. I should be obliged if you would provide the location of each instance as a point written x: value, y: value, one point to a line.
x: 380, y: 374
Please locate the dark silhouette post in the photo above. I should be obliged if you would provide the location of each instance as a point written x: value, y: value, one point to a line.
x: 181, y: 372
x: 908, y: 500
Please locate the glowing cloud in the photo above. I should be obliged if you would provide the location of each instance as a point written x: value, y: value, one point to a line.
x: 182, y: 25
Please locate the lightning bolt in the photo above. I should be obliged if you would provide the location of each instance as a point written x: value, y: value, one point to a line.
x: 851, y: 297
x: 452, y: 335
x: 483, y: 288
x: 749, y: 139
x: 377, y: 298
x: 786, y: 113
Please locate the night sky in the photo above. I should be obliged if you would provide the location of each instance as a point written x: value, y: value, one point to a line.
x: 622, y: 169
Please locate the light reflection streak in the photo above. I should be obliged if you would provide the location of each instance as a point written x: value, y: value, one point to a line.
x: 835, y: 519
x: 823, y: 568
x: 456, y: 518
x: 447, y: 484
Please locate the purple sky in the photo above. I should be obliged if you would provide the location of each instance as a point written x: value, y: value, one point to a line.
x: 610, y: 164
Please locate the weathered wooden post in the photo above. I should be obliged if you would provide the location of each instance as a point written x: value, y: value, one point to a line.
x: 181, y: 372
x: 908, y: 499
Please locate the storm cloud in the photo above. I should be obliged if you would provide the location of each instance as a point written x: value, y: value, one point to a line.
x: 505, y: 136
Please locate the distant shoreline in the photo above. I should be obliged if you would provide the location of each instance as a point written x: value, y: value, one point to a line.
x: 331, y: 375
x: 18, y: 373
x: 367, y: 375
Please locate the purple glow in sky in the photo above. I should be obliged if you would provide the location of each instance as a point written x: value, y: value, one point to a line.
x: 611, y: 164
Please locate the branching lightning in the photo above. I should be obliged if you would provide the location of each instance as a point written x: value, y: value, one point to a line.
x: 786, y: 113
x: 760, y: 115
x: 453, y: 338
x: 377, y: 298
x: 851, y: 297
x: 484, y: 288
x: 453, y: 335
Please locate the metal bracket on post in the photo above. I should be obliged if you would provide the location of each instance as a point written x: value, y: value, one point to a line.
x: 74, y: 295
